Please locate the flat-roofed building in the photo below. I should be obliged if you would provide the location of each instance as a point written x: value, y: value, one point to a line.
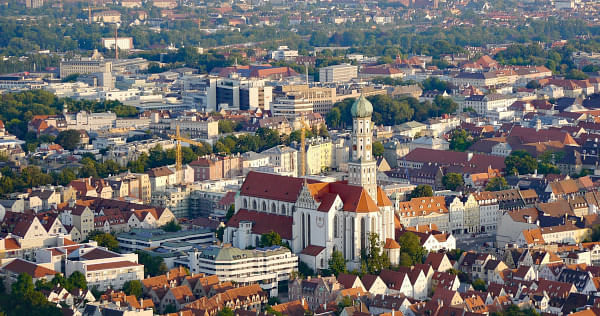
x: 338, y: 73
x: 266, y: 266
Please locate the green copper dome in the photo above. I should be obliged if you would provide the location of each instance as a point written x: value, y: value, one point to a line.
x: 361, y: 107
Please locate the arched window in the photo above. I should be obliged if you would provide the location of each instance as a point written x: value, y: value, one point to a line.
x: 335, y: 227
x: 254, y: 207
x: 363, y: 234
x: 264, y: 206
x: 245, y: 203
x: 273, y: 208
x: 283, y: 210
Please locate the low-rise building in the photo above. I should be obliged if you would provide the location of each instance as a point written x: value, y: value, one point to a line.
x: 138, y: 239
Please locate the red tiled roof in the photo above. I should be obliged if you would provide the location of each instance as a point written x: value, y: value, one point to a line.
x: 312, y: 250
x: 23, y: 266
x: 264, y: 222
x: 11, y: 244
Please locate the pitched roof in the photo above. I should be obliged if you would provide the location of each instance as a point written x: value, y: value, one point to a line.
x: 263, y: 223
x: 347, y: 280
x: 20, y: 266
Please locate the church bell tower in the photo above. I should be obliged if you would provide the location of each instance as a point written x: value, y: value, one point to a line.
x: 363, y: 168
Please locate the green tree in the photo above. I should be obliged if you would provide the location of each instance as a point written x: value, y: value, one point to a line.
x: 576, y: 75
x: 77, y: 281
x: 533, y: 84
x: 304, y: 269
x: 422, y: 190
x: 333, y: 118
x: 225, y: 311
x: 479, y: 285
x: 171, y: 226
x: 133, y: 287
x: 374, y: 258
x: 230, y: 213
x: 104, y: 240
x: 460, y: 140
x: 270, y: 239
x: 153, y: 265
x: 520, y: 162
x: 337, y: 263
x: 497, y: 184
x: 451, y: 181
x: 68, y: 139
x: 378, y: 149
x: 410, y: 245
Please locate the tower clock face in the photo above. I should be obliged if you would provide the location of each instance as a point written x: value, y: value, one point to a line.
x: 368, y: 147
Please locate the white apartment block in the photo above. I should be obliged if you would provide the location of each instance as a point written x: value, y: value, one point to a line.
x: 338, y: 73
x: 284, y: 53
x: 483, y: 104
x: 101, y: 267
x: 266, y: 266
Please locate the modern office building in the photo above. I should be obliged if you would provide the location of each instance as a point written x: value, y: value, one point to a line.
x: 338, y: 73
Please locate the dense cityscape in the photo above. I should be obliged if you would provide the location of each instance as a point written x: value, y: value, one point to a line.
x: 277, y: 157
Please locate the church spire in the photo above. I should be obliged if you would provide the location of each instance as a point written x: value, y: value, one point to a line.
x: 362, y: 168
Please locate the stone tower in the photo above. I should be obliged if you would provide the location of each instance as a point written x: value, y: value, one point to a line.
x: 363, y: 168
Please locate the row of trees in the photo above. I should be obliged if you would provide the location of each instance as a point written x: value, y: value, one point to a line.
x: 392, y: 111
x: 17, y: 109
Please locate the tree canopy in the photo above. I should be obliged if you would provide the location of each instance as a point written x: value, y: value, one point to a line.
x: 104, y: 240
x: 374, y: 259
x: 411, y: 251
x: 421, y: 190
x: 451, y: 181
x: 520, y: 162
x: 497, y: 184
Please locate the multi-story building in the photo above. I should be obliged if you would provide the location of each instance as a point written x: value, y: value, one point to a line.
x: 292, y: 106
x: 217, y: 167
x: 194, y: 127
x: 266, y: 266
x: 176, y: 198
x: 284, y: 158
x: 124, y: 43
x: 489, y: 211
x: 84, y: 66
x: 338, y: 73
x: 138, y: 239
x: 424, y: 211
x: 483, y: 104
x: 102, y: 268
x: 322, y: 98
x: 238, y: 93
x: 284, y: 53
x: 34, y: 4
x: 135, y: 185
x: 319, y: 155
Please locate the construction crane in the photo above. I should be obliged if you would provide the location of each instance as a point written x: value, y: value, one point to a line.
x: 179, y: 139
x: 303, y: 127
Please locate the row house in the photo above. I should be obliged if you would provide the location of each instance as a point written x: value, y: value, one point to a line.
x: 424, y: 211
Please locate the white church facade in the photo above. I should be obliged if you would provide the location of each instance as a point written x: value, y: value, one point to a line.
x: 317, y: 218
